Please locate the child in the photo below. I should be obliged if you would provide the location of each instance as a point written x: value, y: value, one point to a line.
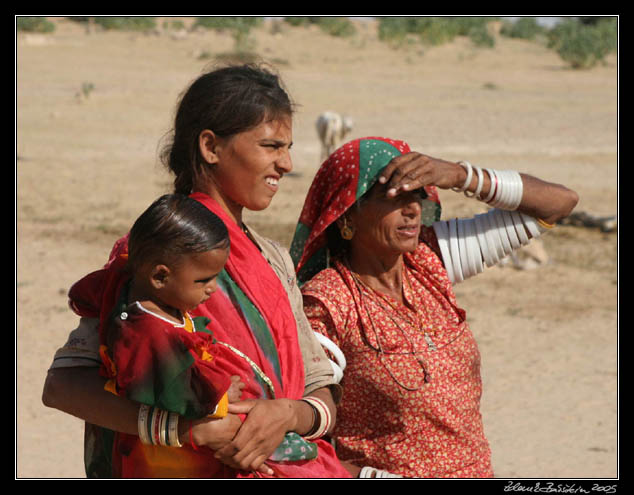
x: 153, y: 351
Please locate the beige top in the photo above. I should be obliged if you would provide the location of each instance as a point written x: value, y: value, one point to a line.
x: 82, y: 346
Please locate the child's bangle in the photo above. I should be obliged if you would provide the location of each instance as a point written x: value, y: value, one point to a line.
x: 158, y: 427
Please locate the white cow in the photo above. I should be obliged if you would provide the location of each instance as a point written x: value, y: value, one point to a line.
x: 331, y: 129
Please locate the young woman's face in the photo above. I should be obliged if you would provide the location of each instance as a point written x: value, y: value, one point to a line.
x: 193, y: 279
x: 249, y: 166
x: 385, y: 225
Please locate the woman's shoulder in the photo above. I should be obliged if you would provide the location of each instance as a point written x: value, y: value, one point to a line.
x: 277, y: 256
x: 329, y: 277
x: 268, y: 246
x: 330, y: 288
x: 327, y: 294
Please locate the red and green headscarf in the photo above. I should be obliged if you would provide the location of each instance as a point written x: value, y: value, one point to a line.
x: 341, y: 180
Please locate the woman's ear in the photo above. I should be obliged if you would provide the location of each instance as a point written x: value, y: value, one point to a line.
x: 346, y: 228
x: 159, y: 276
x: 345, y: 220
x: 208, y: 143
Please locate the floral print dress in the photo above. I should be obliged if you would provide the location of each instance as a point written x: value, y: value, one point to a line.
x: 412, y: 386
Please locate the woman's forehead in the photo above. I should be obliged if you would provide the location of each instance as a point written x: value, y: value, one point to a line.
x: 379, y: 190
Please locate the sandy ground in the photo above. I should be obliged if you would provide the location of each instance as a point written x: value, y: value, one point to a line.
x: 87, y: 166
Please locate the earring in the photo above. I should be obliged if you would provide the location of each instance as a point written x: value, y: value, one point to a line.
x: 346, y: 231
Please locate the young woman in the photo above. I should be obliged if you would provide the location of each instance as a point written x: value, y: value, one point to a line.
x: 230, y: 150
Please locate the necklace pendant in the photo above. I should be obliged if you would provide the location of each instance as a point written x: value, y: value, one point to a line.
x: 430, y: 342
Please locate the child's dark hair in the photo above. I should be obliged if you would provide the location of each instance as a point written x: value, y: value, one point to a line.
x: 227, y: 101
x: 172, y: 226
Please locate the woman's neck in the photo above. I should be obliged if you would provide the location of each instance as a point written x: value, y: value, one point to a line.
x: 384, y: 275
x: 231, y: 208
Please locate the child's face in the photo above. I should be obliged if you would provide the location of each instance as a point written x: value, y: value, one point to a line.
x: 193, y: 280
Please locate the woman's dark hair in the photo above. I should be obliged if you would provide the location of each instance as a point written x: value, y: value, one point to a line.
x: 227, y: 101
x: 337, y: 246
x: 172, y: 226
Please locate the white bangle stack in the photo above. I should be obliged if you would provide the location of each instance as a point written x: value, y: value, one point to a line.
x: 468, y: 245
x: 508, y: 189
x: 158, y: 427
x: 505, y: 192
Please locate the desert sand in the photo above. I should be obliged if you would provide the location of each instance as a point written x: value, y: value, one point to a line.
x: 91, y: 112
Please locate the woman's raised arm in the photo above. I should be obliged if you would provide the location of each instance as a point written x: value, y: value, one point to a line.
x: 540, y: 199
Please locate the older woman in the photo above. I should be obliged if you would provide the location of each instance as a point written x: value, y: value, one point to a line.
x: 232, y: 135
x: 377, y: 266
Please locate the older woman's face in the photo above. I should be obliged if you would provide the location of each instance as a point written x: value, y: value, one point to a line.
x: 385, y: 225
x: 251, y: 164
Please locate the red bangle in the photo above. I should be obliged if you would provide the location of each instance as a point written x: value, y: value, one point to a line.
x: 191, y: 437
x: 156, y: 426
